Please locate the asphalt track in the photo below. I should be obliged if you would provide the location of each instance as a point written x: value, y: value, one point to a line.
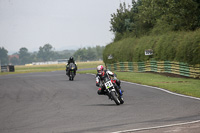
x: 50, y: 103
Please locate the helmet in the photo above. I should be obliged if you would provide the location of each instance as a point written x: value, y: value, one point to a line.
x: 71, y: 58
x: 100, y: 69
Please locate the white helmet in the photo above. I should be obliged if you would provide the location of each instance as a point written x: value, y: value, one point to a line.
x: 100, y: 69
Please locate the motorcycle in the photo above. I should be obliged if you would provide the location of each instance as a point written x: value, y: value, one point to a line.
x: 71, y: 71
x: 112, y: 91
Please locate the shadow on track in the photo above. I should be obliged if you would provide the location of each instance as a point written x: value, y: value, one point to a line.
x: 102, y: 105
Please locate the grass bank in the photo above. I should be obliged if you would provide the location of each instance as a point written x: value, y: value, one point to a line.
x: 186, y: 86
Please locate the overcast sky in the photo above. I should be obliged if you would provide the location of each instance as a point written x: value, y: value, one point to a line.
x: 65, y: 24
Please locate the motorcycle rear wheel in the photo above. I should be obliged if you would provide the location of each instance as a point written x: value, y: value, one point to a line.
x: 121, y: 100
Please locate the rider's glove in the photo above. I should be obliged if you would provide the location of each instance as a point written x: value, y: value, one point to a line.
x: 97, y: 84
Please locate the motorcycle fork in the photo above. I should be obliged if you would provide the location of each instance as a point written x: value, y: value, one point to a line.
x: 113, y: 89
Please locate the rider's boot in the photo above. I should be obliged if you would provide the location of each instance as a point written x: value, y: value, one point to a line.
x: 99, y: 91
x: 120, y: 91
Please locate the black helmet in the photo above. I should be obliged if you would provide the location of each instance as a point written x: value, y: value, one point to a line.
x: 71, y: 58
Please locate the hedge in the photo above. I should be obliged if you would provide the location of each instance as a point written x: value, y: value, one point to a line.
x: 172, y: 46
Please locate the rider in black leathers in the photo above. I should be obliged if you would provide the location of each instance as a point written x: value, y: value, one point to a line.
x: 71, y: 60
x: 101, y: 74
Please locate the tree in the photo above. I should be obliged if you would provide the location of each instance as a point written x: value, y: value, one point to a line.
x: 179, y: 15
x: 155, y: 16
x: 3, y: 56
x: 184, y: 14
x: 45, y: 53
x: 80, y: 54
x: 24, y: 56
x: 99, y: 51
x: 122, y: 20
x: 125, y: 23
x: 14, y: 61
x: 91, y: 54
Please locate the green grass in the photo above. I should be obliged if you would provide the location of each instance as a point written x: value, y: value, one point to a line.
x: 186, y: 86
x: 92, y: 64
x: 34, y: 68
x: 50, y: 67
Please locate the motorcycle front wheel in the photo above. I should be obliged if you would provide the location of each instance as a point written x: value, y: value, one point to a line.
x: 114, y: 97
x: 71, y: 76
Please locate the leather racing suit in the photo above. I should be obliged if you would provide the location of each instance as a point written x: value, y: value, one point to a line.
x: 100, y: 78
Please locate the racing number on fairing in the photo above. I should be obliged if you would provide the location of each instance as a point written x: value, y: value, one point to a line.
x: 108, y: 84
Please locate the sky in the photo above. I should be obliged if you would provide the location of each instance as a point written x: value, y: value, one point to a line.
x: 65, y: 24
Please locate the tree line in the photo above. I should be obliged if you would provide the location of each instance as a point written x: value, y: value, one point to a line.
x: 89, y: 53
x: 155, y: 17
x: 47, y: 53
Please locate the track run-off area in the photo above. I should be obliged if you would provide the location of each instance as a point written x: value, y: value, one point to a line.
x: 49, y: 103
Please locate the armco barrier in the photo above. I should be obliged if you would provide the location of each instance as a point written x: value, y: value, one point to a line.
x: 179, y: 68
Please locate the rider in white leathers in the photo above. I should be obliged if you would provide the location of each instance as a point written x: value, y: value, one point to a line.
x: 101, y: 74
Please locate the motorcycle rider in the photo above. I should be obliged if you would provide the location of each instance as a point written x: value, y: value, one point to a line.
x: 71, y: 60
x: 101, y: 74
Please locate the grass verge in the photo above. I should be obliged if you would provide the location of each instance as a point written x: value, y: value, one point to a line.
x: 50, y: 67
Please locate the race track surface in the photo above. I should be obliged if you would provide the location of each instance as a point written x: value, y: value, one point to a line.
x: 50, y: 103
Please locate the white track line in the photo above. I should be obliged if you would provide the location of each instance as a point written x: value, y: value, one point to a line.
x: 148, y: 128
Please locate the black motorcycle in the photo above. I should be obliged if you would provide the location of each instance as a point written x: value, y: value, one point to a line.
x: 71, y: 71
x: 112, y: 91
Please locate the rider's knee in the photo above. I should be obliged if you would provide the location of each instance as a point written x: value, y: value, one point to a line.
x: 99, y: 91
